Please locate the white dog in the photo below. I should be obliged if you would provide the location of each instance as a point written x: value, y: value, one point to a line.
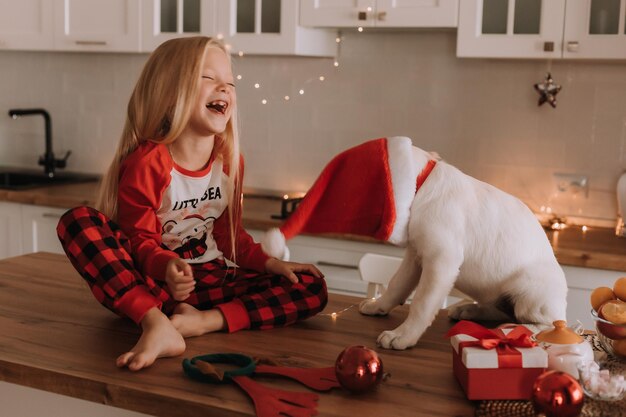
x: 462, y: 233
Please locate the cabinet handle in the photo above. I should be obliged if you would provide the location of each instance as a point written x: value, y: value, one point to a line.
x: 382, y: 15
x: 51, y: 216
x: 325, y: 263
x: 572, y: 46
x: 100, y: 43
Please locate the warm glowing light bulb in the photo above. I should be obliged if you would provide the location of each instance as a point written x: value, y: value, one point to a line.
x: 240, y: 53
x: 220, y: 36
x: 322, y: 78
x: 337, y: 39
x: 257, y: 85
x: 239, y: 77
x: 360, y: 29
x: 584, y: 228
x: 301, y: 92
x: 369, y: 9
x: 334, y: 316
x: 286, y: 98
x: 336, y: 63
x: 264, y: 101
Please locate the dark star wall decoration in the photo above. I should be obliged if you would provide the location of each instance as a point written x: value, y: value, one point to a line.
x: 547, y: 90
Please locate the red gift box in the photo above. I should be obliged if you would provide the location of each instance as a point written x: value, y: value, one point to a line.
x: 495, y: 364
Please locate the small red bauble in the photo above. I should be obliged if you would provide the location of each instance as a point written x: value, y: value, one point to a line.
x: 358, y: 369
x: 557, y: 394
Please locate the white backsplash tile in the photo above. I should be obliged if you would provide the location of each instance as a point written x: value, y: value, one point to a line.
x: 478, y: 114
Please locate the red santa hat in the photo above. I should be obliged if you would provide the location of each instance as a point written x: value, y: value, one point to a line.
x: 366, y: 190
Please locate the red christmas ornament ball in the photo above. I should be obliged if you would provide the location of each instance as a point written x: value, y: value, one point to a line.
x: 358, y: 369
x: 557, y: 394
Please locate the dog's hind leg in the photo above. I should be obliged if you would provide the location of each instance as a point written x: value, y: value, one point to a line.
x: 541, y: 294
x: 478, y: 312
x: 439, y: 272
x: 400, y: 287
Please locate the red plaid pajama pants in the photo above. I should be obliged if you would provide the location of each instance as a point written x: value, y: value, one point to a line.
x: 101, y: 253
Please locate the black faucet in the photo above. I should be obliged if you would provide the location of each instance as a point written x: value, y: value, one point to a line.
x: 47, y: 160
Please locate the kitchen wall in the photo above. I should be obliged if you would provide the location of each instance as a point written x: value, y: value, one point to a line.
x: 480, y: 115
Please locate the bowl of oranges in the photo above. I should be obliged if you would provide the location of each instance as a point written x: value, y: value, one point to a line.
x: 609, y: 314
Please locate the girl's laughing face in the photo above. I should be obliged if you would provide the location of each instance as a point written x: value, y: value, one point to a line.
x: 216, y: 96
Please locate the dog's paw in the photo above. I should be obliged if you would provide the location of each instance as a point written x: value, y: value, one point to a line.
x: 396, y: 339
x: 372, y: 307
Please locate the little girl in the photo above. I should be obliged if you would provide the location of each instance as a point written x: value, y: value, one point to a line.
x: 169, y: 215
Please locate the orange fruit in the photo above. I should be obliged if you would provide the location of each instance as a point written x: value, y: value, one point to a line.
x: 619, y: 347
x: 619, y: 288
x: 600, y: 296
x: 614, y: 311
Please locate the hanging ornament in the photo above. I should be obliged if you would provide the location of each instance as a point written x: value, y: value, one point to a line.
x: 358, y: 369
x: 557, y: 394
x: 547, y: 90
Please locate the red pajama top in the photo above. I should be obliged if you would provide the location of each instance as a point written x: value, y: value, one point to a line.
x: 168, y: 212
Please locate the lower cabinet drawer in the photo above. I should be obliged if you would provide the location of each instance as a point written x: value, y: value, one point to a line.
x: 338, y: 259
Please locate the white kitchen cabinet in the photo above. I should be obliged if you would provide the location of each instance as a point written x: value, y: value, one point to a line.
x: 595, y: 29
x: 10, y: 229
x: 167, y: 19
x: 38, y: 224
x: 97, y: 25
x: 581, y: 282
x: 379, y: 13
x: 26, y: 25
x: 542, y: 29
x: 272, y: 27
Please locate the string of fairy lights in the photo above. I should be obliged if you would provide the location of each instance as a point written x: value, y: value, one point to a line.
x: 299, y: 91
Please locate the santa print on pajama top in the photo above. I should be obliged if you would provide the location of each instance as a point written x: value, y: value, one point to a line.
x: 165, y: 212
x: 186, y: 211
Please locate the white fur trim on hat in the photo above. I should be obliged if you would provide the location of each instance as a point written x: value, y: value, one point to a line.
x: 403, y: 174
x: 273, y: 244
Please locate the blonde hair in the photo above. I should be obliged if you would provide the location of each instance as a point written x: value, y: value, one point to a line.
x: 158, y: 111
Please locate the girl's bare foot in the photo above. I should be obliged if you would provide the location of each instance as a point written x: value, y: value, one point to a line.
x: 159, y: 339
x: 190, y: 321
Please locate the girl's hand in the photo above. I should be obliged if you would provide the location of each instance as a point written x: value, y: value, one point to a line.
x: 288, y: 269
x: 179, y: 279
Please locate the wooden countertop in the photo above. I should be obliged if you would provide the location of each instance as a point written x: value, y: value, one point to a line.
x: 595, y: 248
x: 61, y: 196
x: 56, y: 337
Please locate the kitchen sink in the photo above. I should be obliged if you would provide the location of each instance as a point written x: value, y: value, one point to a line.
x: 25, y: 179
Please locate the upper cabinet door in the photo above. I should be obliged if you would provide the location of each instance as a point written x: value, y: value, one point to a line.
x: 168, y: 19
x: 97, y: 25
x: 595, y: 29
x: 338, y: 13
x: 510, y: 28
x: 26, y: 24
x: 272, y: 27
x: 416, y: 13
x: 379, y: 13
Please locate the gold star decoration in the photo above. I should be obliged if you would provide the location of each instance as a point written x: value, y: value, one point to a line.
x: 547, y: 90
